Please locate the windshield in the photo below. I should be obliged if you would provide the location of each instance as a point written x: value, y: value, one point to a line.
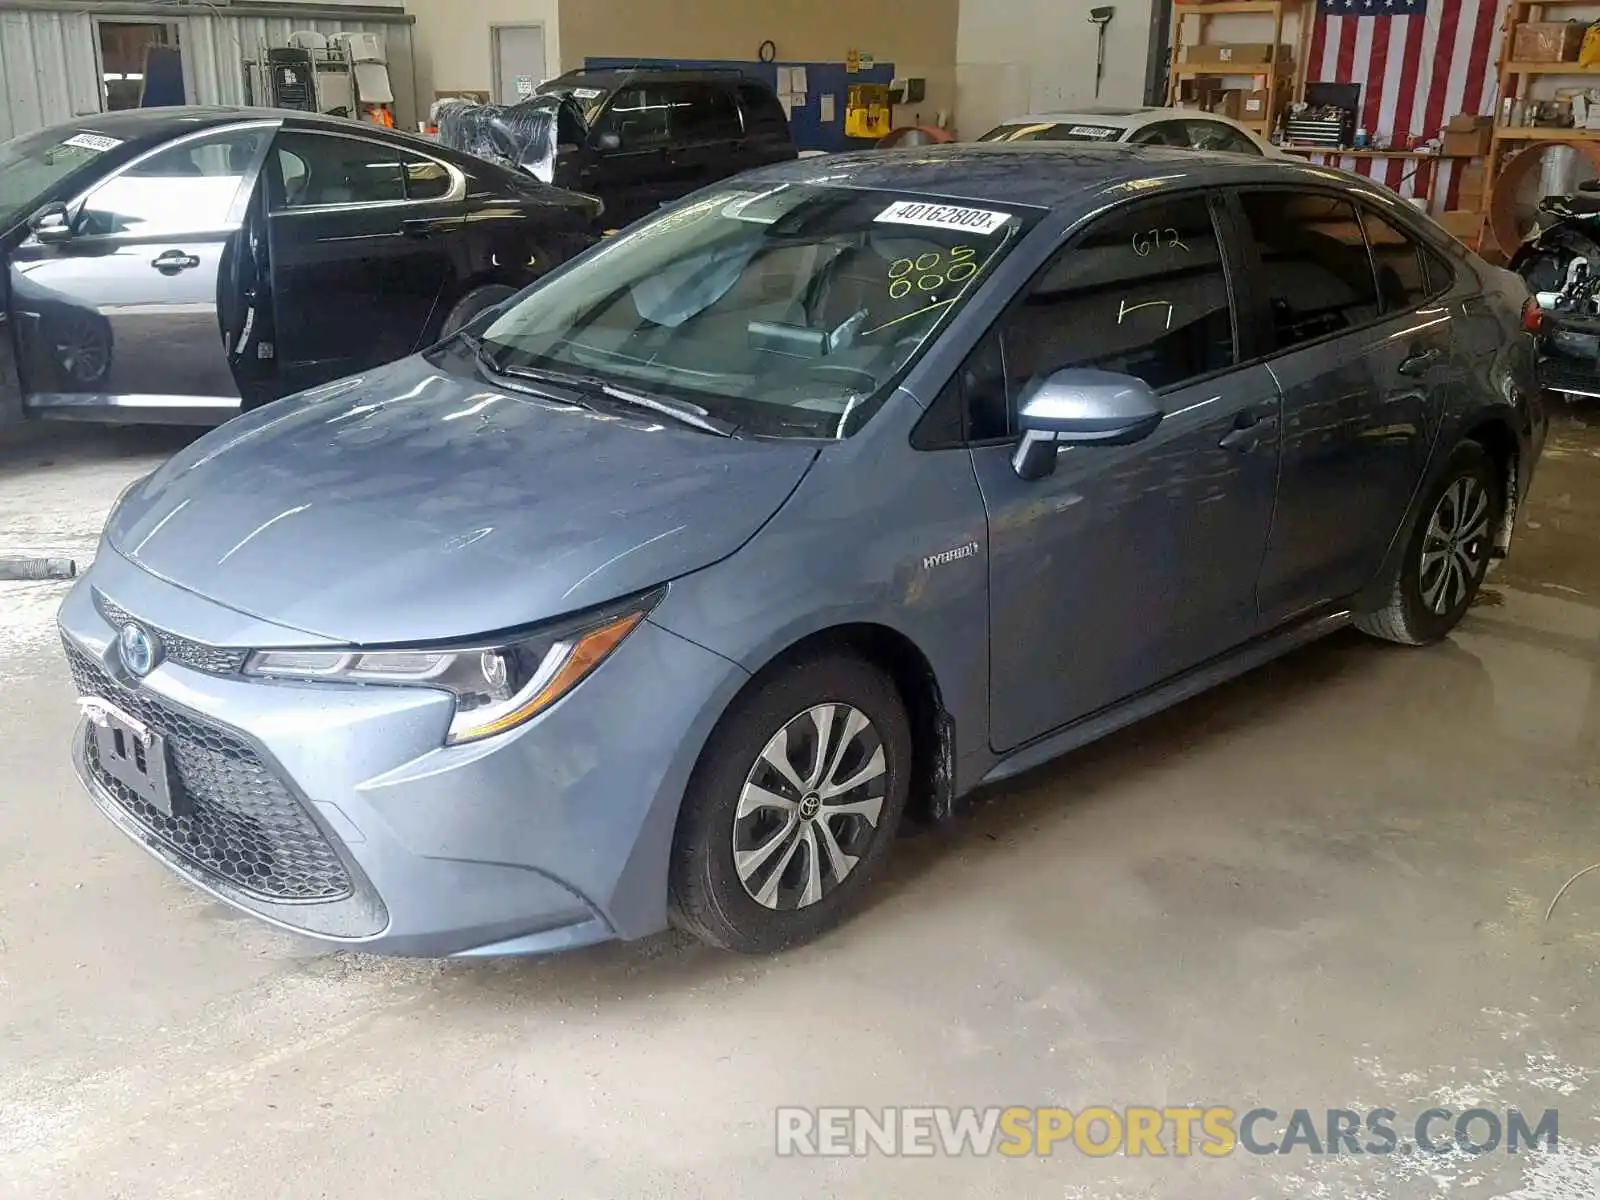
x: 35, y: 163
x: 1055, y: 131
x: 590, y: 100
x: 787, y: 312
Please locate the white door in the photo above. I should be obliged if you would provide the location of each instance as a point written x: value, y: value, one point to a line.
x: 518, y: 61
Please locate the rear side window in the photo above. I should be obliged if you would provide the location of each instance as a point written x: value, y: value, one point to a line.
x: 1214, y: 135
x: 1314, y: 264
x: 1143, y: 293
x: 1441, y: 275
x: 1397, y: 261
x: 762, y: 112
x: 703, y: 112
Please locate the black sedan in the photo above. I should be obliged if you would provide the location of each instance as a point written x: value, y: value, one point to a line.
x: 158, y: 265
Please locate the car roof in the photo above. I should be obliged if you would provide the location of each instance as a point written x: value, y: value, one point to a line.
x: 1067, y: 177
x: 140, y: 127
x: 1122, y: 118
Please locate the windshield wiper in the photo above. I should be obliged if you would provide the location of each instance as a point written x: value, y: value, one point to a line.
x: 679, y: 410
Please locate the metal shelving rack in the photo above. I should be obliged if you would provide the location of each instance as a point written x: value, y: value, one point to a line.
x: 1274, y: 71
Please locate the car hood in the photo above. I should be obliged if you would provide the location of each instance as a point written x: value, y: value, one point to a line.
x: 411, y: 504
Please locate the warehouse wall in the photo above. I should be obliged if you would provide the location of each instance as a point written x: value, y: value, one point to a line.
x: 919, y: 39
x: 1036, y: 55
x: 453, y: 46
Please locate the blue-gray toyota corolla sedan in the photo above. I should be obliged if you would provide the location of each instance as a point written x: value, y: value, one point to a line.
x: 667, y: 590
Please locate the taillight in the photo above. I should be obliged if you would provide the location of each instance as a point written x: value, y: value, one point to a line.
x: 1532, y: 317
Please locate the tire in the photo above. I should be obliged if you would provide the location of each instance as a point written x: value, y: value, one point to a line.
x: 780, y: 900
x: 473, y: 303
x: 1427, y: 601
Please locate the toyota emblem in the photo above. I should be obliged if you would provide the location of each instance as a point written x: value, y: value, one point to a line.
x: 138, y: 649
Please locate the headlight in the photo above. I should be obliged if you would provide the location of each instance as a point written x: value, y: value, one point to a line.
x: 497, y: 684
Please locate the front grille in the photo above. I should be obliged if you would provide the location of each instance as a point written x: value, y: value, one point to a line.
x: 213, y: 660
x: 239, y: 822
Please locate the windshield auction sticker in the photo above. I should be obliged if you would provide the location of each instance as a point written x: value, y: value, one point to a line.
x: 943, y: 216
x: 93, y: 141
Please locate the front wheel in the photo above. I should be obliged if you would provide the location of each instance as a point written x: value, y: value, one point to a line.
x: 473, y: 303
x: 1447, y: 556
x: 792, y: 807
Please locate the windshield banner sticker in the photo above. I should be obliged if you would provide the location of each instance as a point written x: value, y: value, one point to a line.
x: 1093, y: 131
x: 943, y: 216
x: 93, y: 141
x: 587, y: 93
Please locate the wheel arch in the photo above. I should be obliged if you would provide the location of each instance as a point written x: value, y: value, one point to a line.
x: 933, y: 738
x: 1496, y: 435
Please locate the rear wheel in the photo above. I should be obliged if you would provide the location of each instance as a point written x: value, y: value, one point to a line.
x: 1447, y: 556
x: 793, y: 806
x: 473, y: 303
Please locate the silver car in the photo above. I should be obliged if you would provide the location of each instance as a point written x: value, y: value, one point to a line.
x: 669, y: 588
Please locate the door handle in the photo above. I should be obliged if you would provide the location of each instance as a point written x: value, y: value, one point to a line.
x: 170, y: 262
x: 1418, y: 361
x: 1245, y: 434
x: 417, y: 228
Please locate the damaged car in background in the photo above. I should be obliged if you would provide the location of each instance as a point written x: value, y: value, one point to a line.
x: 637, y: 138
x: 177, y: 265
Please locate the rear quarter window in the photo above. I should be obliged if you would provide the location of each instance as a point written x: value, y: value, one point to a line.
x: 762, y: 112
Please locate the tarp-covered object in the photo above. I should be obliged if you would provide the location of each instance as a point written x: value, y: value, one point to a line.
x: 525, y: 136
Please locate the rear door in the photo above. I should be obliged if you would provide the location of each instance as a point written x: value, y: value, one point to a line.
x: 119, y: 321
x: 362, y: 243
x: 1354, y: 368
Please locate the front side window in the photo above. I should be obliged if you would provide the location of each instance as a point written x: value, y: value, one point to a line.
x: 640, y: 116
x: 1314, y: 264
x: 789, y: 312
x: 319, y: 169
x: 186, y: 188
x: 1143, y: 292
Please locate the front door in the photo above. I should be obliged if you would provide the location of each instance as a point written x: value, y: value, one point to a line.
x: 1360, y: 367
x: 362, y: 242
x: 119, y: 318
x: 1129, y: 564
x: 630, y: 165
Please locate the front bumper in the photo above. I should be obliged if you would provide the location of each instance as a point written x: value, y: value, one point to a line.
x: 356, y: 825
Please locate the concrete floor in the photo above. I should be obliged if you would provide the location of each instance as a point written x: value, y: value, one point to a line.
x: 1322, y: 886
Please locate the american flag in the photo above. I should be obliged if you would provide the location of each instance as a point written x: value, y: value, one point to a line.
x: 1418, y: 64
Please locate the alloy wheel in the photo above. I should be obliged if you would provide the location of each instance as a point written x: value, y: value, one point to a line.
x: 1453, y: 549
x: 809, y: 807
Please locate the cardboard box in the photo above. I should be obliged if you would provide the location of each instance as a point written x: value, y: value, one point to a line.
x: 1463, y: 224
x: 1468, y: 136
x: 1469, y: 186
x: 1254, y: 105
x: 1245, y: 54
x: 1547, y: 41
x: 1230, y: 103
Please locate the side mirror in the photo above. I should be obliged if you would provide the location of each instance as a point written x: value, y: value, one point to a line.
x: 1081, y: 407
x: 608, y: 141
x: 49, y: 224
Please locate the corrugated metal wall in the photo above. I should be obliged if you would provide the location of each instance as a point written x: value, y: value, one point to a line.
x: 48, y: 70
x: 215, y: 46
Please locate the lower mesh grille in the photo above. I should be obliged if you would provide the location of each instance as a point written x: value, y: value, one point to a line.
x: 239, y: 822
